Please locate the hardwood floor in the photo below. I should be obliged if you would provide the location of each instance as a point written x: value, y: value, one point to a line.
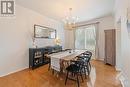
x: 101, y: 76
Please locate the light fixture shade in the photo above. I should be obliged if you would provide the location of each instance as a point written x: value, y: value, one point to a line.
x: 71, y: 26
x: 57, y: 41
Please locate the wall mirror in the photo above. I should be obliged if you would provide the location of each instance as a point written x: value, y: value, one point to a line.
x: 44, y: 32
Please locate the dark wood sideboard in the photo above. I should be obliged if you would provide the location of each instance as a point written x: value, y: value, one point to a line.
x: 37, y: 55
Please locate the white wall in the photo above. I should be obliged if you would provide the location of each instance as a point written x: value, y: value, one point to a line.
x: 121, y: 14
x: 15, y: 38
x: 106, y: 23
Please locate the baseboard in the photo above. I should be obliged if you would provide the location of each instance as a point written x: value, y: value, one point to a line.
x: 13, y: 71
x: 101, y: 59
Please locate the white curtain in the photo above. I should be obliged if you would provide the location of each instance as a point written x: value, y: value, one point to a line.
x: 97, y: 41
x: 86, y: 38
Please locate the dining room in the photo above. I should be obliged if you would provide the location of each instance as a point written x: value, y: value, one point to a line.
x: 64, y: 43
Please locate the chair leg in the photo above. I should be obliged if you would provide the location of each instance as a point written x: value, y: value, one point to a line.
x: 88, y: 70
x: 49, y: 66
x: 77, y: 80
x: 85, y: 73
x: 72, y: 74
x: 53, y: 71
x: 66, y: 77
x: 81, y: 76
x: 90, y: 66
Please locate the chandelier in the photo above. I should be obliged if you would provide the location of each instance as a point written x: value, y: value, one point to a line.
x: 70, y: 21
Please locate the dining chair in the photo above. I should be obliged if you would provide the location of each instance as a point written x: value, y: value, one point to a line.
x: 75, y: 69
x: 86, y: 57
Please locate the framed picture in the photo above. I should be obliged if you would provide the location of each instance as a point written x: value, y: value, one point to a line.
x: 44, y: 32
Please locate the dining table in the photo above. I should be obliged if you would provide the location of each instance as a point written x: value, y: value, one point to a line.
x: 60, y: 60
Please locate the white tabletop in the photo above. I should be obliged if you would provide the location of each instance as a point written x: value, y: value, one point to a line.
x: 60, y: 55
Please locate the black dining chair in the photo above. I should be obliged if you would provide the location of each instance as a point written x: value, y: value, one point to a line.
x: 86, y: 57
x: 74, y: 69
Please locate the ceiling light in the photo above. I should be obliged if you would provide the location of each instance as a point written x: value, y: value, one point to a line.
x: 70, y: 21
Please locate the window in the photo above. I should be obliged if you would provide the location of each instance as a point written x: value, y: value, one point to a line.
x: 85, y: 38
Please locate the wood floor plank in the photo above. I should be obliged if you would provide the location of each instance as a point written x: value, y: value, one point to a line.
x: 101, y: 76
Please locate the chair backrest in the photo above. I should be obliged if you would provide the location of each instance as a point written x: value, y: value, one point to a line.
x: 86, y: 56
x: 88, y: 53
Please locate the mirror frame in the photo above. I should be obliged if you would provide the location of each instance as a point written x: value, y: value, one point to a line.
x: 46, y: 28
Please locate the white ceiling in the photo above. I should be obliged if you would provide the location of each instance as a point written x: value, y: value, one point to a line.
x: 58, y: 9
